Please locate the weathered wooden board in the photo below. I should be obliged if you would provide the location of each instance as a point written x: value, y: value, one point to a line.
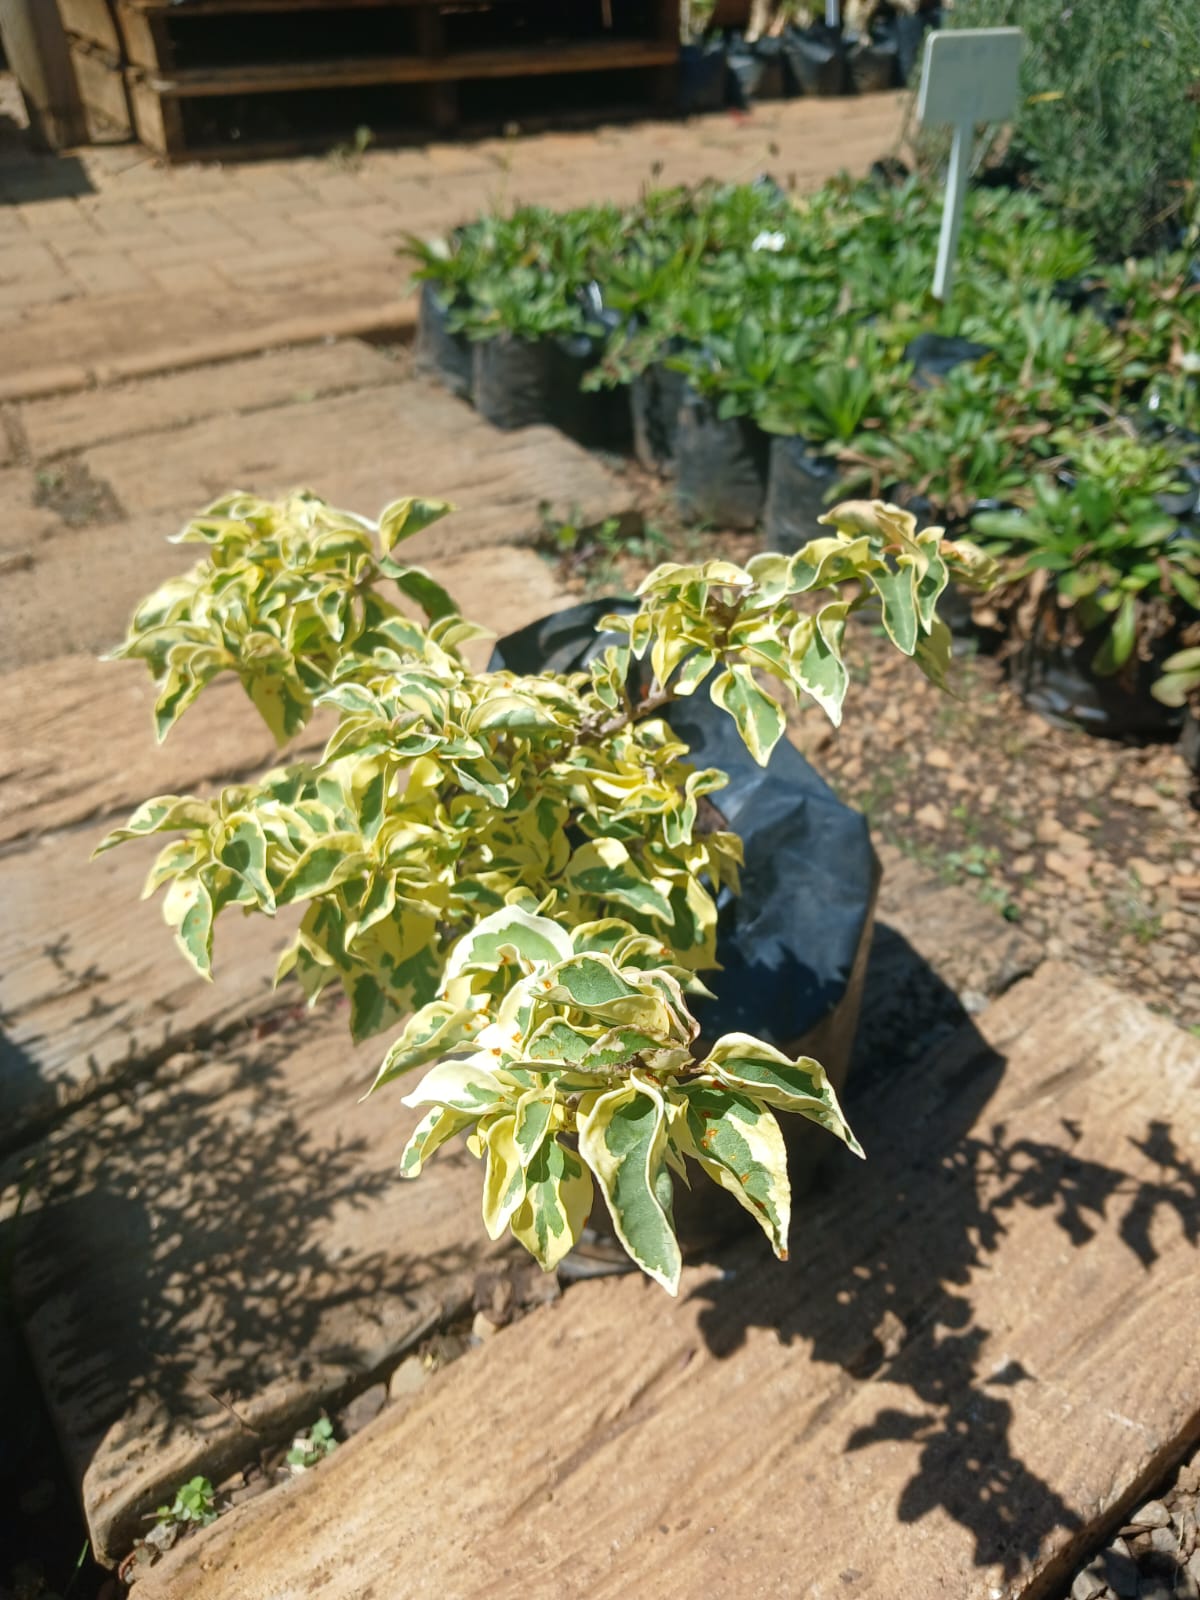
x: 77, y: 733
x: 205, y: 1261
x: 92, y: 985
x: 363, y: 450
x: 983, y: 1346
x: 149, y: 405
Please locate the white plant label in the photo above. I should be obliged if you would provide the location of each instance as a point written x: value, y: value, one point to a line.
x: 971, y: 75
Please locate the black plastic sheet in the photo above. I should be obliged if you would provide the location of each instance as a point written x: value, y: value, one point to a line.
x: 721, y: 465
x: 446, y: 354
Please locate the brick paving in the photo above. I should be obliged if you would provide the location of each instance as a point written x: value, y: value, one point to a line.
x: 113, y: 265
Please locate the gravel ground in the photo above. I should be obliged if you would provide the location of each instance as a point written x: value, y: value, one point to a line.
x: 1156, y: 1556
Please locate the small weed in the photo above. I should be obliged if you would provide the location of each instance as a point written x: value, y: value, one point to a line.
x: 311, y: 1447
x: 593, y: 553
x: 351, y: 151
x: 194, y: 1502
x: 1132, y: 915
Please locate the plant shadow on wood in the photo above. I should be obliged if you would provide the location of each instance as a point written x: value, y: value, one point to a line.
x: 888, y: 1254
x: 213, y: 1246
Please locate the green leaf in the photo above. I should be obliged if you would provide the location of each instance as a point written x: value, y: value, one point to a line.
x: 558, y: 1198
x: 801, y: 1086
x: 739, y: 1145
x: 330, y: 861
x: 188, y: 908
x: 433, y: 1130
x: 466, y: 1086
x: 403, y: 518
x: 605, y: 868
x: 758, y: 715
x: 623, y: 1139
x: 417, y: 584
x: 816, y: 658
x: 898, y: 598
x: 532, y: 1122
x: 504, y: 1180
x: 432, y: 1032
x: 591, y: 982
x: 535, y: 938
x: 245, y: 853
x: 1118, y: 643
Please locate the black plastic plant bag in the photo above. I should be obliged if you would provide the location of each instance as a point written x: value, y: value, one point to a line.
x: 702, y: 74
x: 1056, y: 680
x: 598, y: 419
x: 439, y: 351
x: 721, y: 465
x: 772, y: 83
x: 655, y: 397
x: 873, y: 65
x: 789, y: 943
x: 814, y: 60
x: 513, y: 381
x: 799, y: 480
x: 745, y: 74
x: 910, y: 41
x: 935, y: 355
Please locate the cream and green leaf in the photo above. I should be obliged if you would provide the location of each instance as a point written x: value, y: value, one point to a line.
x: 518, y: 868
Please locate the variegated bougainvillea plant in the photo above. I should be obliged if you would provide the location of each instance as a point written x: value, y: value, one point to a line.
x: 515, y: 863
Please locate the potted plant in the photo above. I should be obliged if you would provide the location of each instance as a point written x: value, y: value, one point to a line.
x: 1097, y: 581
x: 515, y: 863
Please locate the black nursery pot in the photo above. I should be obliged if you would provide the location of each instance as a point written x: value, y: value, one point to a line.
x: 814, y: 61
x: 1057, y: 680
x: 702, y: 74
x: 793, y: 945
x: 521, y: 383
x: 655, y: 397
x: 721, y: 464
x: 799, y: 479
x: 874, y: 65
x: 447, y: 355
x: 756, y: 72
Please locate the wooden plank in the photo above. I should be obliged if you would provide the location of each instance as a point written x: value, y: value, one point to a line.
x: 276, y: 77
x: 982, y: 1354
x: 145, y: 37
x: 158, y: 122
x: 362, y: 450
x: 200, y: 1268
x: 92, y: 987
x: 91, y: 20
x: 148, y: 405
x: 101, y: 85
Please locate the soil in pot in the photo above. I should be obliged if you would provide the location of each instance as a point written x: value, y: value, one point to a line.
x: 793, y: 945
x: 721, y: 465
x: 655, y: 397
x: 799, y: 482
x: 447, y: 355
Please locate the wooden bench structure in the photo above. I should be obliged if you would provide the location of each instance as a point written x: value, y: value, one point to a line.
x: 199, y: 78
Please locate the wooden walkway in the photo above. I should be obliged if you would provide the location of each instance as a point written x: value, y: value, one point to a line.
x: 982, y: 1350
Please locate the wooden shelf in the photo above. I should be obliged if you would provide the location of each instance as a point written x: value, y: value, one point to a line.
x: 602, y: 55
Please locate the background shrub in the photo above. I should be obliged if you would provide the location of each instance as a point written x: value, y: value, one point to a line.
x: 1109, y: 125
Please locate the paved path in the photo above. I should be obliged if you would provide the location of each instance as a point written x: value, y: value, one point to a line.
x: 114, y: 266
